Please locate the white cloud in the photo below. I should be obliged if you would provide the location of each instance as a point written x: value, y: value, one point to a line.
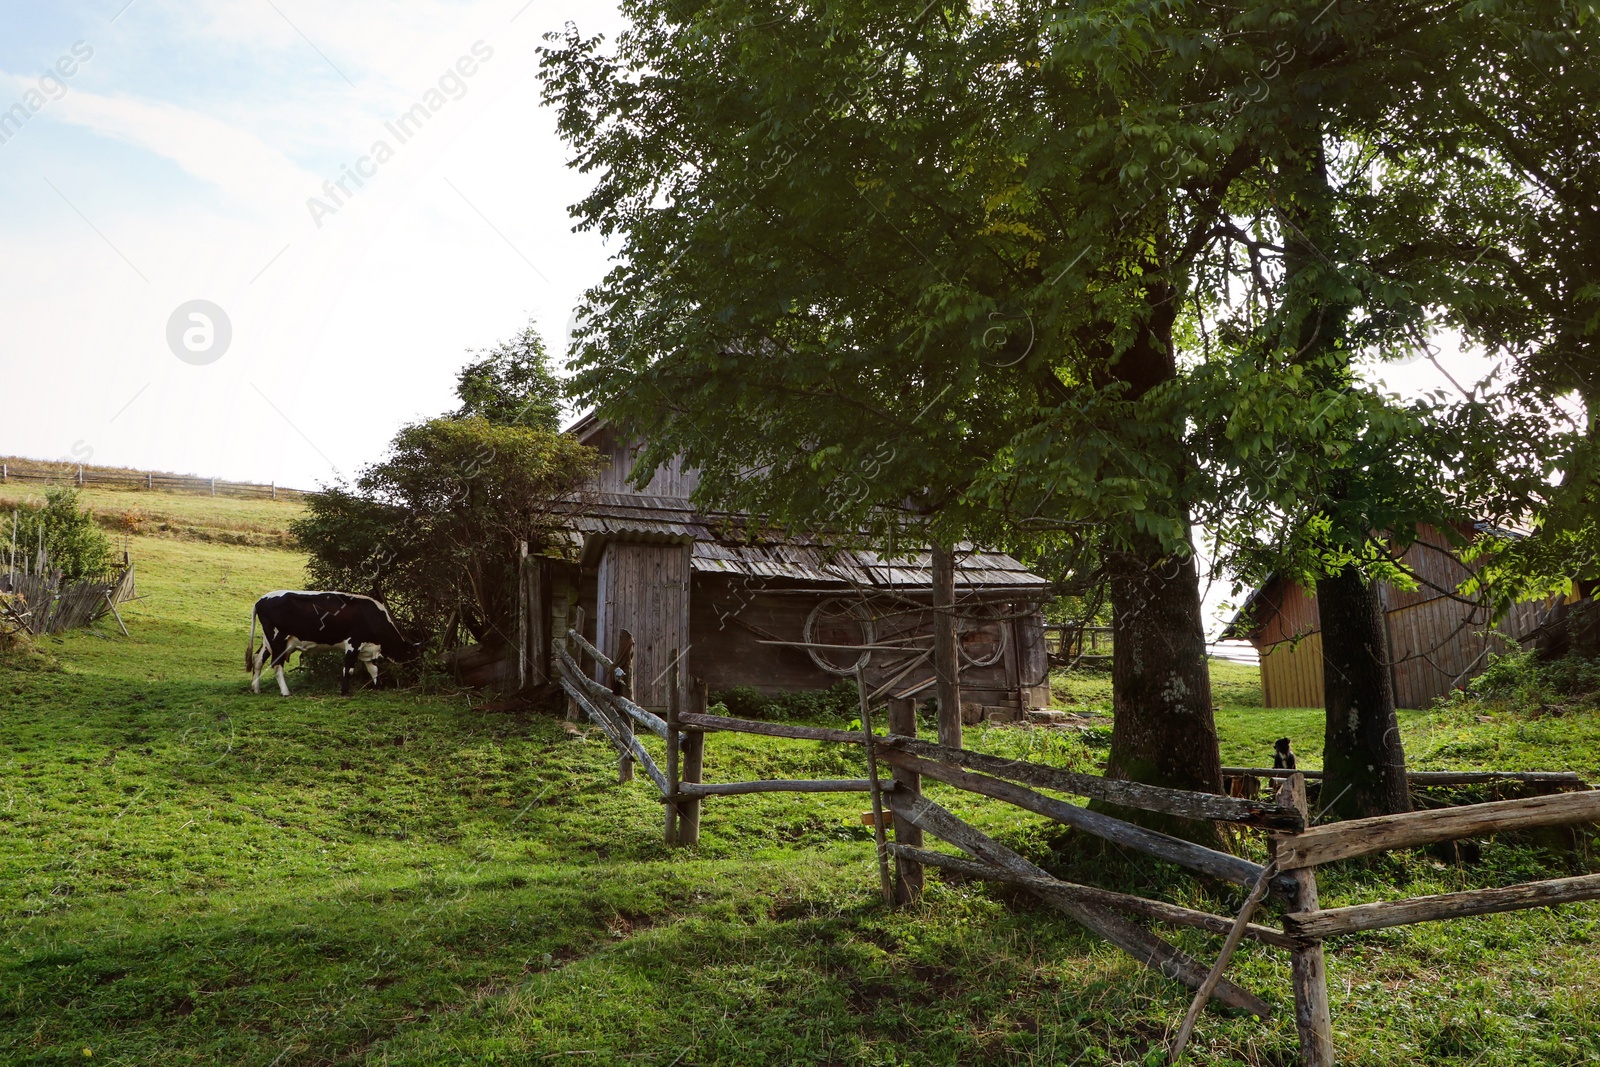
x: 352, y: 329
x: 235, y: 161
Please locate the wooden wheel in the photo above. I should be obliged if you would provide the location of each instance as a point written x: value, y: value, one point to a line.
x: 836, y: 621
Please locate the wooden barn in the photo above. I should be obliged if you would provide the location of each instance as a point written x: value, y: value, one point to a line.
x: 1437, y: 641
x: 744, y: 609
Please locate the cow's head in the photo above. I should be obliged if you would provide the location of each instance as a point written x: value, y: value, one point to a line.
x: 406, y: 651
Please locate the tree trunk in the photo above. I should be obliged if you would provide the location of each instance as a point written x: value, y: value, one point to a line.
x: 946, y: 652
x: 1164, y: 732
x: 1363, y: 763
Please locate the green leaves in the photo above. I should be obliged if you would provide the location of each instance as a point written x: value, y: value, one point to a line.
x: 433, y: 529
x: 71, y: 541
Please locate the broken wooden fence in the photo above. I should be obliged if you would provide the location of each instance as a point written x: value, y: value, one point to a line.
x: 1297, y: 847
x: 47, y: 603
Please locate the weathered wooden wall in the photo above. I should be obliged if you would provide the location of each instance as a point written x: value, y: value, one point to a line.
x: 1032, y: 659
x: 1291, y: 675
x: 644, y: 589
x: 729, y: 617
x: 619, y: 455
x: 1436, y: 641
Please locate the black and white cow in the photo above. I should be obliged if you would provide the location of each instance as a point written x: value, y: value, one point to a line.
x: 305, y: 622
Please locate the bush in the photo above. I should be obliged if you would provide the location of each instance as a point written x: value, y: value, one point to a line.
x: 1521, y: 677
x: 76, y: 546
x: 839, y: 703
x: 433, y: 530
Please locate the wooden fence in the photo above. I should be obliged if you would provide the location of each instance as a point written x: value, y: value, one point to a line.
x: 1071, y: 645
x: 41, y: 600
x: 1296, y: 846
x: 48, y: 604
x: 79, y: 475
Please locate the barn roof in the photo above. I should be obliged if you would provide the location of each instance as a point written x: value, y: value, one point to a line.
x: 734, y: 544
x: 726, y: 544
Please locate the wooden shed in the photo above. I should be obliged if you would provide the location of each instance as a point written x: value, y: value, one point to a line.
x: 745, y: 608
x: 1437, y: 640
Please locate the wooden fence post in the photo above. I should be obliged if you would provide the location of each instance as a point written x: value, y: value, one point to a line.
x: 946, y: 649
x: 213, y: 486
x: 576, y: 624
x: 149, y: 480
x: 908, y: 784
x: 694, y: 760
x: 1311, y: 1014
x: 624, y: 686
x: 879, y: 831
x: 671, y: 798
x: 522, y: 616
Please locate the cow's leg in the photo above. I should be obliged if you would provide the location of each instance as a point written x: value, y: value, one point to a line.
x: 372, y: 669
x: 280, y: 657
x: 260, y: 658
x: 351, y: 658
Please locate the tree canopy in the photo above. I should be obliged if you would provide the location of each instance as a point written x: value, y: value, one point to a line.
x: 434, y: 529
x: 1018, y: 272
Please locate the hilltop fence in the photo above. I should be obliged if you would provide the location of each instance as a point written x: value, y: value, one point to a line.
x: 1297, y: 846
x: 80, y: 475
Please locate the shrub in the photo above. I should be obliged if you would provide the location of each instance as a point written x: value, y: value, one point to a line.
x: 1522, y: 678
x: 76, y: 546
x: 433, y: 530
x: 841, y: 702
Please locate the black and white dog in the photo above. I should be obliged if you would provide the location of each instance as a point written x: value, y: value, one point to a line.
x: 305, y: 622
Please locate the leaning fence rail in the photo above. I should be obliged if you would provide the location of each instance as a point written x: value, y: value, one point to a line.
x: 1297, y: 847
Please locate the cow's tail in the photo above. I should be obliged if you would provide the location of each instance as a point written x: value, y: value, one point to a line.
x: 250, y: 649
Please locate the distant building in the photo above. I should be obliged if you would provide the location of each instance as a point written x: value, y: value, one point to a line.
x: 741, y: 607
x: 1437, y: 640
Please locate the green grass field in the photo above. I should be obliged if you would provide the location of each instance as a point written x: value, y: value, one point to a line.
x: 190, y: 873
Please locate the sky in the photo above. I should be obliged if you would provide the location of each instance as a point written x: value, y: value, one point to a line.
x: 167, y: 159
x: 158, y: 153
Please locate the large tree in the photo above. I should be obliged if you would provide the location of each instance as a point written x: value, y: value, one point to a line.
x: 1502, y: 217
x: 922, y: 271
x: 1356, y: 158
x: 1017, y: 270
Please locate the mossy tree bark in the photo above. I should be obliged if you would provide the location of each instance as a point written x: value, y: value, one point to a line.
x: 1364, y: 764
x: 1164, y: 732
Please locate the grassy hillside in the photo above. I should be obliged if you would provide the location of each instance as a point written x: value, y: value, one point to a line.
x: 183, y: 516
x: 190, y: 873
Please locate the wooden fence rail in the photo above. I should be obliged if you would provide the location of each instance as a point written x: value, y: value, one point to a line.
x: 1297, y: 847
x: 1567, y: 779
x: 80, y: 475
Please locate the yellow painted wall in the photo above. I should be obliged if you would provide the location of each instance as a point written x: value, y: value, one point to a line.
x: 1291, y: 674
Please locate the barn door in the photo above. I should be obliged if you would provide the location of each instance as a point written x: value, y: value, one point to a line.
x: 644, y: 589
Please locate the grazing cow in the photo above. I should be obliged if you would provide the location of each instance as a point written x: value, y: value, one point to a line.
x: 304, y: 622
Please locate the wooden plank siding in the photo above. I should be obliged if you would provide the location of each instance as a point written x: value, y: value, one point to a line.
x: 644, y: 589
x: 731, y: 616
x: 1291, y: 674
x: 1436, y: 641
x: 619, y: 455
